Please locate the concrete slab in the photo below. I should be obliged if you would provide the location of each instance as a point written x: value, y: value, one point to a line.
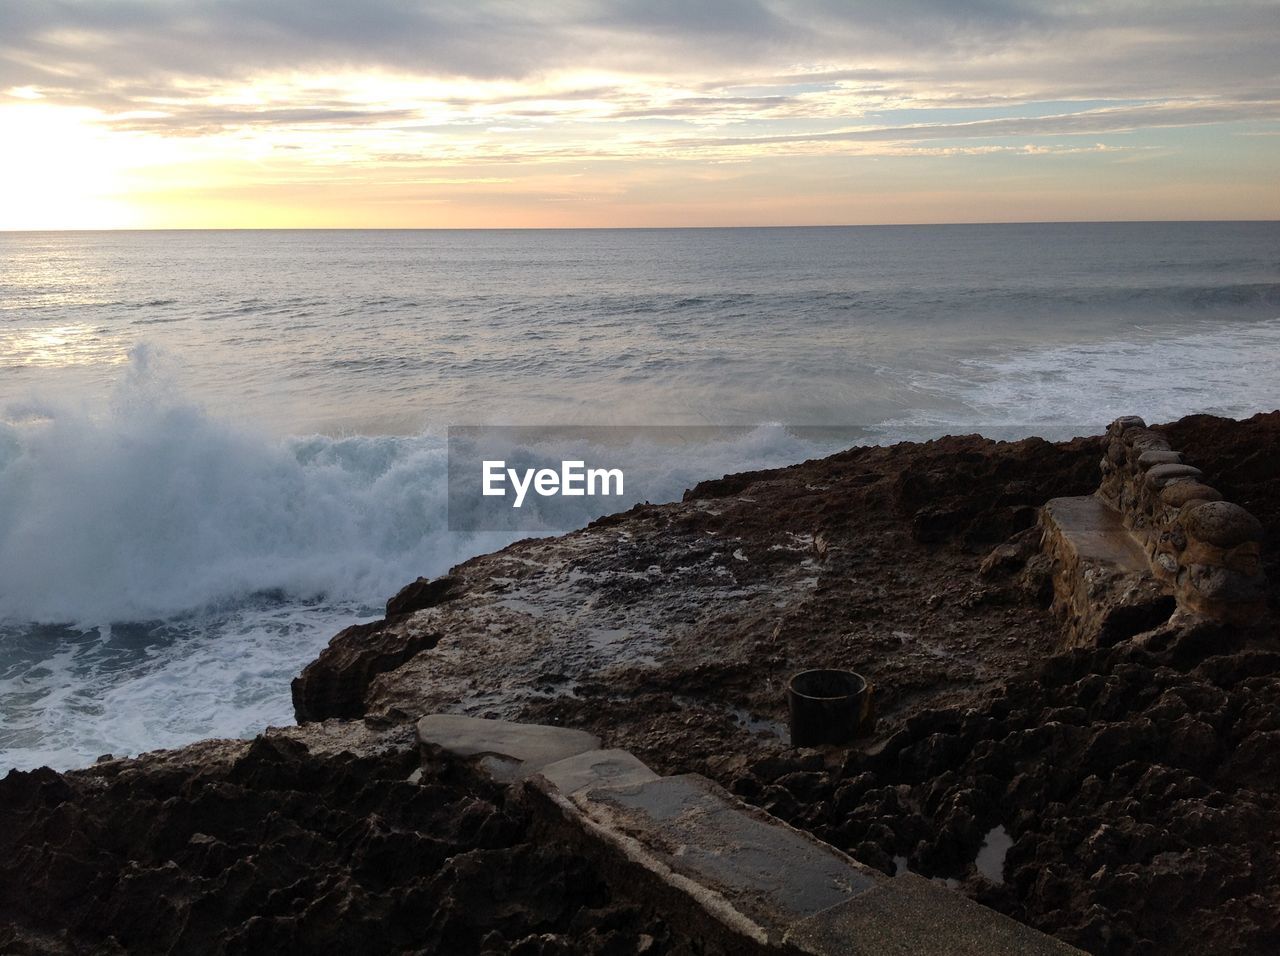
x: 910, y: 916
x: 506, y: 751
x: 597, y: 769
x: 1096, y: 532
x: 772, y: 874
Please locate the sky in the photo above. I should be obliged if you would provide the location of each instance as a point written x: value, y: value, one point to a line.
x: 590, y: 113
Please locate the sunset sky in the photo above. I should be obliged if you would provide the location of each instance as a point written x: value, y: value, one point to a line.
x: 343, y: 113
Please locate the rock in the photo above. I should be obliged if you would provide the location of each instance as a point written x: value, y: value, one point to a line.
x: 1179, y: 493
x: 1221, y: 523
x: 1156, y: 456
x: 1160, y: 475
x: 937, y: 522
x: 808, y: 785
x: 283, y: 844
x: 422, y: 594
x: 1148, y: 441
x: 1125, y: 422
x: 334, y: 684
x: 1218, y: 589
x: 1192, y: 743
x: 1012, y: 555
x: 1169, y: 741
x: 1036, y: 579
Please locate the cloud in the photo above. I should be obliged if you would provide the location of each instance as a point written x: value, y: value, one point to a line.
x: 83, y: 44
x: 501, y: 81
x: 1085, y: 122
x: 209, y: 120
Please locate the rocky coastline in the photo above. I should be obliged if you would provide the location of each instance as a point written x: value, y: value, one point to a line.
x: 1133, y: 776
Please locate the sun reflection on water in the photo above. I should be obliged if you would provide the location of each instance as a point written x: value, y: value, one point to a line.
x: 59, y: 347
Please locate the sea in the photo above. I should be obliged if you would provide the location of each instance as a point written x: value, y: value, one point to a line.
x: 217, y: 449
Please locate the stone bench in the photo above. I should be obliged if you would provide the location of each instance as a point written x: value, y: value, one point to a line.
x: 1154, y: 539
x: 1103, y: 585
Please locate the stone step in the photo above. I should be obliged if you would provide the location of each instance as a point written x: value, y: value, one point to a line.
x: 740, y: 879
x: 507, y: 752
x: 773, y: 875
x: 1103, y: 584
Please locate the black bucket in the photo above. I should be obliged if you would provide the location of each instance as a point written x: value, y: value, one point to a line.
x: 827, y: 707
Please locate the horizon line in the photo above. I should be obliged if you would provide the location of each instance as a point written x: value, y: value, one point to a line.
x: 849, y: 225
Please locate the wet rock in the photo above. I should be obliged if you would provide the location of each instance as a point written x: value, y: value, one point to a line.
x: 335, y: 683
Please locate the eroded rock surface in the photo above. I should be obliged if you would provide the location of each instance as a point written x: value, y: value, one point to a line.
x: 676, y: 626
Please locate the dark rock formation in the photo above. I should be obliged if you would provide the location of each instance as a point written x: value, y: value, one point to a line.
x: 1140, y: 787
x: 421, y: 594
x: 292, y: 843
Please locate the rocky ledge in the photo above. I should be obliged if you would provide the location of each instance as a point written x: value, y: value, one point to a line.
x: 1125, y: 798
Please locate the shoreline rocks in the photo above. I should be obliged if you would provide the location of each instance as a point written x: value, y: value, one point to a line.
x: 1137, y: 783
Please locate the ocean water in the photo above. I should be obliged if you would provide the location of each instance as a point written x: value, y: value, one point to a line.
x: 219, y: 448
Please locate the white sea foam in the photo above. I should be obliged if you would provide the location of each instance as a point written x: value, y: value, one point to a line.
x: 241, y: 555
x: 154, y: 509
x: 1230, y: 369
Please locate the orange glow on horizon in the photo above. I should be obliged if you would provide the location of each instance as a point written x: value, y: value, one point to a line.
x: 592, y: 150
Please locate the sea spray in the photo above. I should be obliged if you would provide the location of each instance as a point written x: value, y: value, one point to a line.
x: 155, y: 509
x: 163, y: 573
